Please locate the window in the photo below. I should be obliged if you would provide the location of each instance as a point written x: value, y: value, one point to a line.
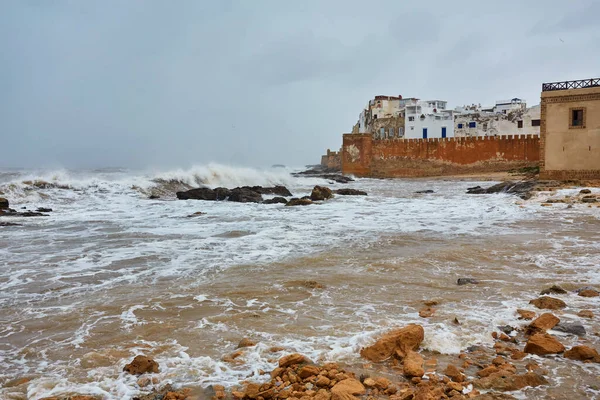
x: 411, y: 118
x: 460, y: 126
x: 472, y: 124
x: 391, y: 130
x: 535, y: 122
x: 577, y: 118
x: 375, y: 116
x: 382, y: 132
x: 520, y: 124
x: 401, y: 131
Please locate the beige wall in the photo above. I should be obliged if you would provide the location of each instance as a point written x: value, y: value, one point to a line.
x: 571, y: 149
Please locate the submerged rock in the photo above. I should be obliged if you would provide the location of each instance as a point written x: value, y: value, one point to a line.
x: 350, y: 192
x: 198, y: 194
x: 554, y: 289
x: 397, y: 342
x: 245, y: 195
x: 321, y: 193
x: 424, y: 191
x: 522, y: 189
x: 298, y: 202
x: 589, y: 293
x: 141, y: 365
x: 508, y: 382
x: 466, y: 281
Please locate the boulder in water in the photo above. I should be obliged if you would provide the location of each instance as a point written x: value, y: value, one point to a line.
x: 222, y: 193
x: 549, y: 303
x: 245, y: 195
x: 397, y: 342
x: 198, y: 194
x: 321, y: 193
x: 554, y: 289
x: 276, y: 200
x: 583, y: 353
x: 3, y: 203
x: 427, y: 191
x: 466, y: 281
x: 141, y: 365
x: 522, y: 189
x: 574, y: 328
x: 542, y: 344
x: 298, y: 202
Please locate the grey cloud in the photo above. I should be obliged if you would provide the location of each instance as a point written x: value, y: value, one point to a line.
x: 172, y: 84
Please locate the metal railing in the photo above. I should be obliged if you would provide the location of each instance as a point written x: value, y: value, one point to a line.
x: 566, y: 85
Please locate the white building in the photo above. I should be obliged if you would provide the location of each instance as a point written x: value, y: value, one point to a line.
x: 506, y: 106
x: 473, y: 121
x: 428, y: 119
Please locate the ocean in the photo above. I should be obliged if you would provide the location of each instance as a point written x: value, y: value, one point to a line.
x: 110, y: 273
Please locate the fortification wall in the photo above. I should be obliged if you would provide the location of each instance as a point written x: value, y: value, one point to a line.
x: 363, y: 156
x: 332, y: 160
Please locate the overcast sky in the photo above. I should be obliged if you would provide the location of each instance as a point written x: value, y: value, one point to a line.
x: 161, y: 83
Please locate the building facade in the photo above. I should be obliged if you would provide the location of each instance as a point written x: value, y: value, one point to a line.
x: 570, y: 130
x: 472, y: 121
x: 426, y: 119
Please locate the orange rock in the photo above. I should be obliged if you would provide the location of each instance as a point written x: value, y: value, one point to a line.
x: 245, y: 342
x: 454, y: 386
x: 542, y: 344
x: 507, y: 382
x: 382, y: 383
x: 322, y: 381
x: 347, y: 389
x: 292, y: 359
x: 426, y: 312
x: 589, y: 293
x: 518, y: 355
x: 398, y: 342
x: 526, y: 314
x: 141, y: 365
x: 487, y: 371
x: 544, y: 322
x: 454, y: 373
x: 550, y: 303
x: 307, y: 371
x: 586, y: 314
x: 582, y: 353
x: 413, y: 365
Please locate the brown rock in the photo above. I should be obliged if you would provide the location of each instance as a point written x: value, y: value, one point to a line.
x: 292, y: 359
x: 398, y: 341
x: 586, y: 314
x: 252, y: 390
x: 431, y: 303
x: 426, y: 312
x: 454, y: 386
x: 245, y: 342
x: 542, y: 344
x: 322, y: 381
x: 276, y: 349
x: 308, y: 370
x: 518, y: 355
x: 382, y: 383
x: 3, y: 203
x: 141, y: 365
x: 510, y: 382
x: 544, y: 322
x: 589, y: 293
x: 549, y: 303
x: 554, y: 289
x: 347, y: 389
x: 582, y: 353
x: 488, y: 371
x: 413, y: 365
x: 526, y: 314
x: 454, y: 373
x: 321, y: 193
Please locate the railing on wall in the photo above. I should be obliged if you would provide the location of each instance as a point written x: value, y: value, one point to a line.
x: 566, y: 85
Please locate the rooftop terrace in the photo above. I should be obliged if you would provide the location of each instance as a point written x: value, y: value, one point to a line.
x: 568, y: 85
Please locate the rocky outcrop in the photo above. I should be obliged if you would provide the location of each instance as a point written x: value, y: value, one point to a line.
x: 141, y: 365
x: 542, y: 344
x: 395, y: 343
x: 298, y: 202
x: 522, y: 189
x: 320, y: 193
x: 454, y: 373
x: 293, y: 359
x: 589, y: 293
x: 276, y: 200
x: 3, y: 203
x: 548, y: 303
x: 350, y: 192
x: 244, y: 194
x: 347, y: 389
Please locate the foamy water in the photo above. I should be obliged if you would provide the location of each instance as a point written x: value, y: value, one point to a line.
x: 111, y: 274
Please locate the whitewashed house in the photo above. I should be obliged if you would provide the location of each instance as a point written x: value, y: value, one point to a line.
x: 426, y: 119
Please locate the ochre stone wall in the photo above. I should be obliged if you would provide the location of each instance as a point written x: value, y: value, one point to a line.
x: 332, y: 160
x: 364, y: 156
x: 570, y: 152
